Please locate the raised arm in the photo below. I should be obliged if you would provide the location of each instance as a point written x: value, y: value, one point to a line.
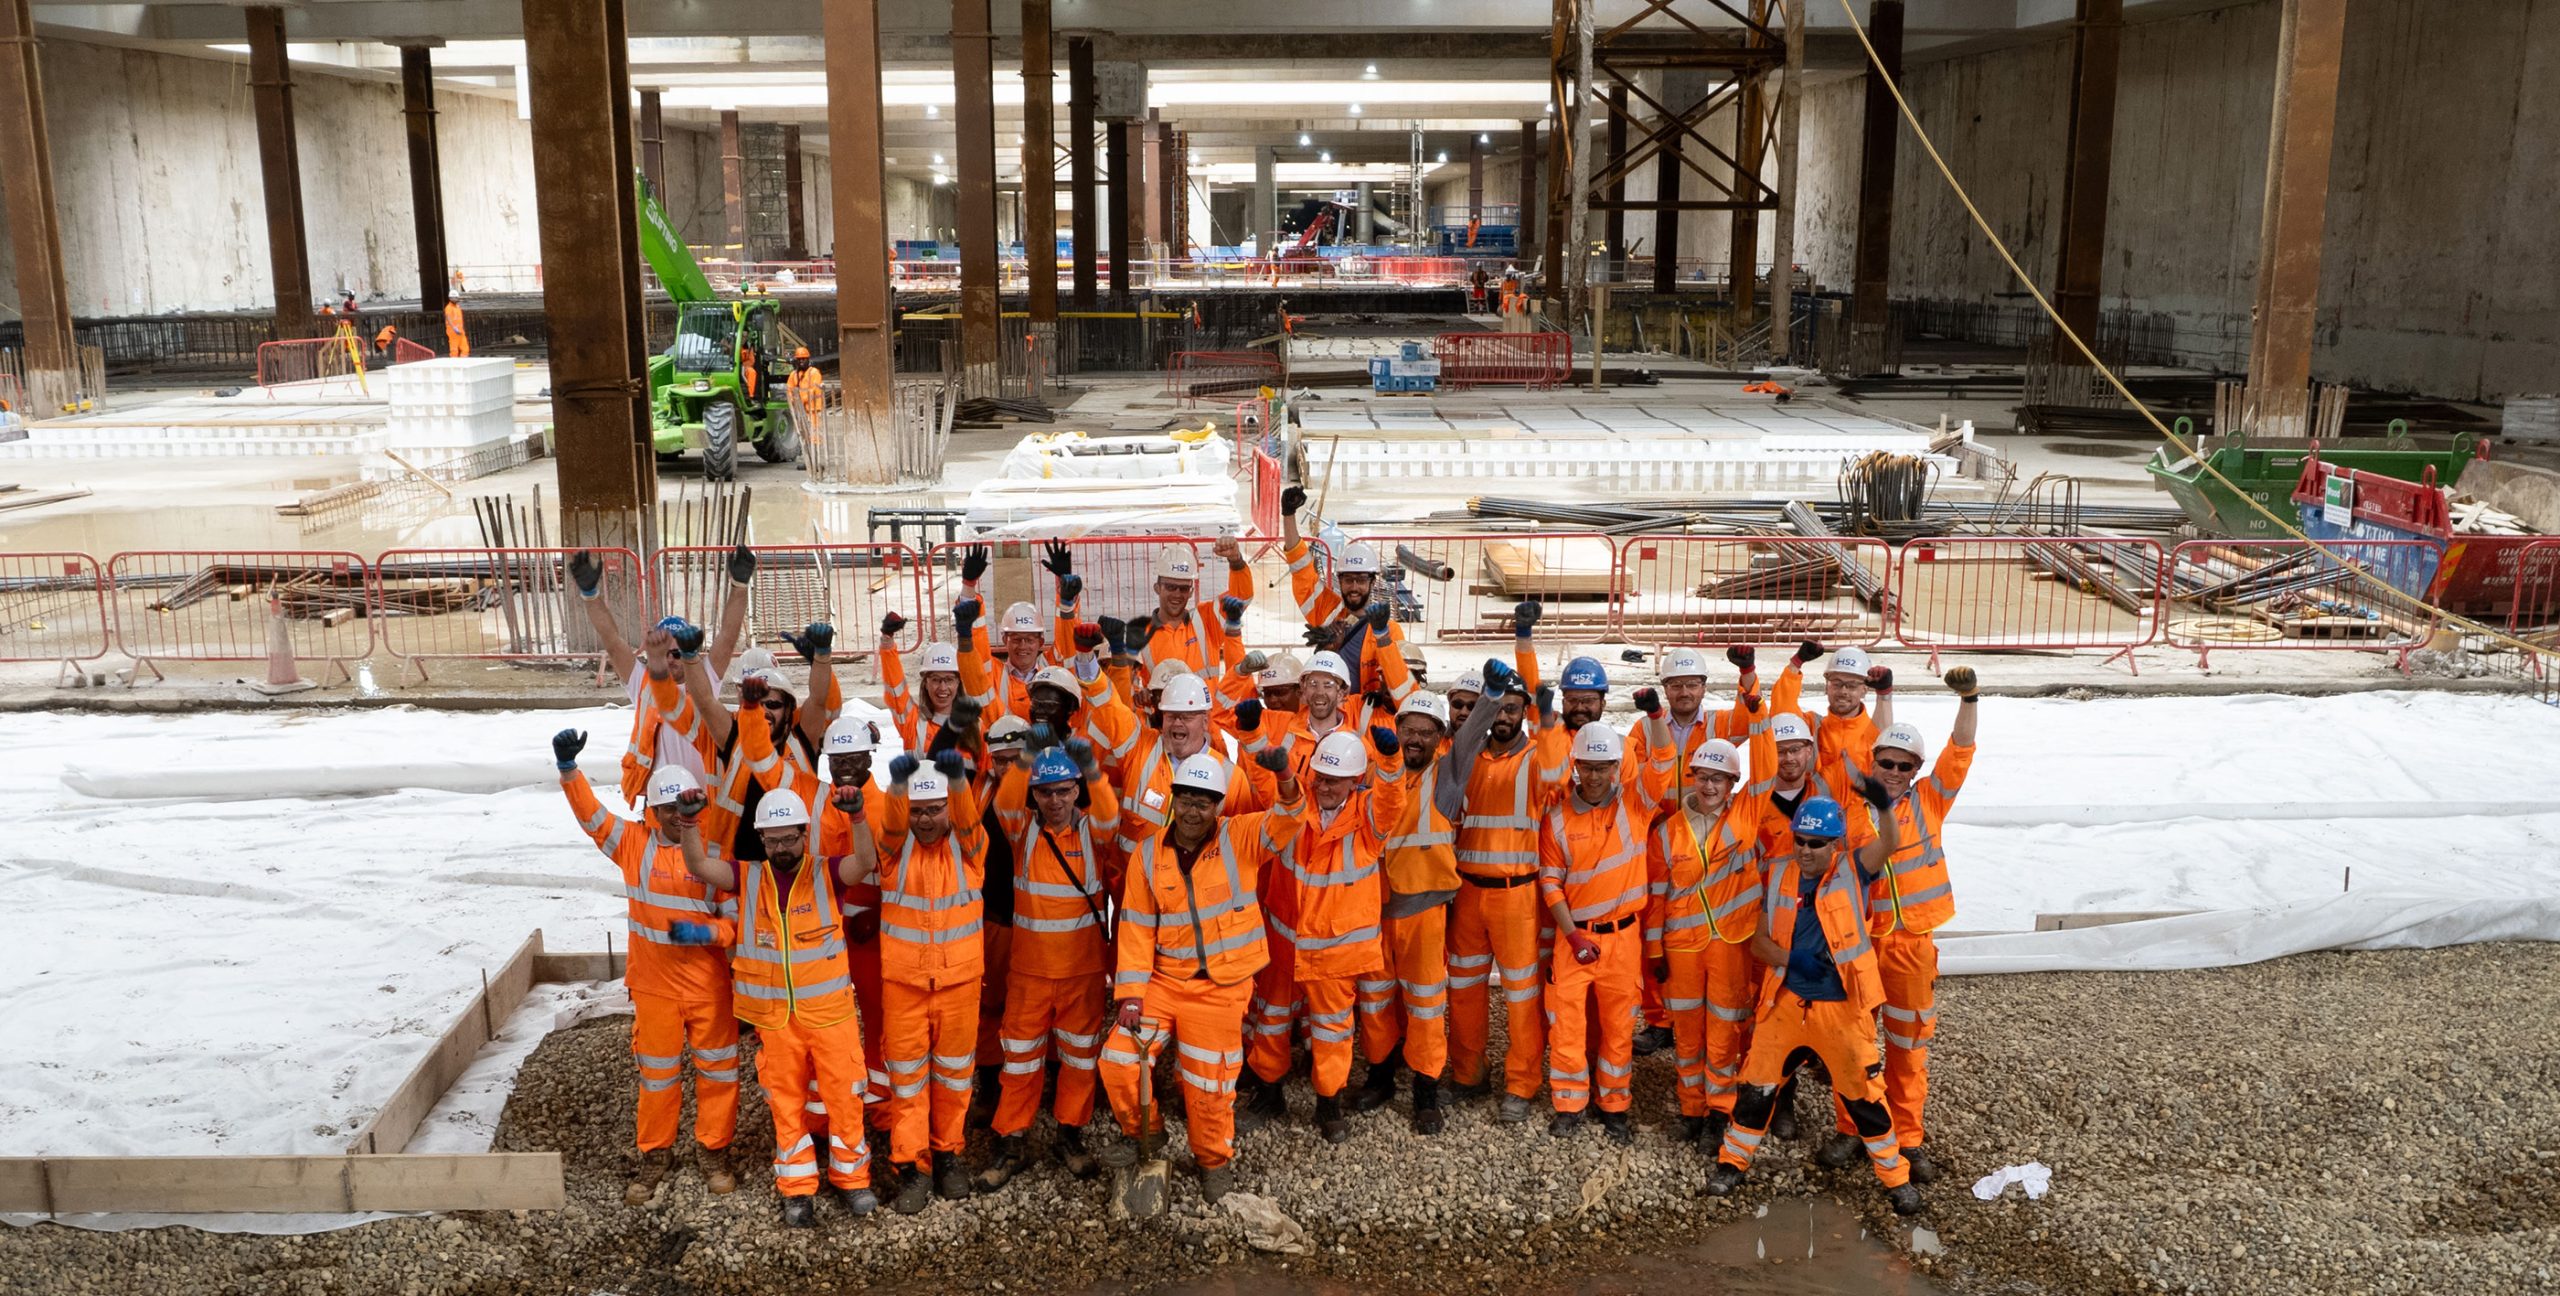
x: 708, y: 869
x: 602, y: 826
x: 861, y: 863
x: 1458, y: 768
x: 733, y: 610
x: 817, y: 646
x: 586, y: 573
x: 893, y: 684
x: 700, y: 691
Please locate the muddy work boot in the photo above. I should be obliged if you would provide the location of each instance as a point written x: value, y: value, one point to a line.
x: 1924, y: 1168
x: 1379, y: 1088
x: 1072, y: 1154
x: 1514, y: 1109
x: 716, y: 1174
x: 1841, y: 1151
x: 799, y: 1212
x: 646, y: 1174
x: 950, y: 1178
x: 1427, y: 1116
x: 1217, y: 1183
x: 1692, y: 1128
x: 1267, y: 1105
x: 1620, y: 1130
x: 1722, y: 1181
x: 915, y: 1191
x: 1905, y: 1199
x: 859, y: 1201
x: 1564, y: 1124
x: 1331, y: 1125
x: 1013, y: 1156
x: 1782, y: 1125
x: 1651, y: 1040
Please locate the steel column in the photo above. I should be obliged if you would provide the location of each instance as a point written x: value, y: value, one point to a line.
x: 1666, y: 215
x: 1116, y: 163
x: 1039, y: 166
x: 2096, y: 37
x: 426, y: 173
x: 1782, y: 252
x: 795, y: 194
x: 1750, y: 129
x: 862, y: 249
x: 1475, y: 178
x: 1365, y: 226
x: 2297, y: 196
x: 1178, y: 177
x: 733, y: 184
x: 1525, y: 240
x: 1265, y: 220
x: 280, y: 167
x: 973, y: 122
x: 579, y: 77
x: 1161, y: 188
x: 35, y: 223
x: 1874, y: 258
x: 1613, y: 223
x: 653, y: 144
x: 1088, y: 224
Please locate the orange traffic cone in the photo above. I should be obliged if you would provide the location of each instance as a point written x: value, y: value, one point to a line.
x: 283, y: 676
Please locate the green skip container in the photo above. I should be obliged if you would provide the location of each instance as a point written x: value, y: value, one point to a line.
x: 2268, y: 476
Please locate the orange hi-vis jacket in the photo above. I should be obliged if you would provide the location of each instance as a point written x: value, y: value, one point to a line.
x: 1707, y: 874
x: 1296, y: 733
x: 640, y: 754
x: 808, y: 389
x: 1733, y: 724
x: 1421, y: 855
x: 1063, y: 883
x: 1592, y: 857
x: 1146, y: 789
x: 835, y: 837
x: 660, y: 890
x: 1204, y: 924
x: 1199, y: 640
x: 1506, y: 794
x: 1839, y: 740
x: 789, y: 961
x: 989, y: 678
x: 915, y: 728
x: 1841, y: 905
x: 933, y: 897
x: 752, y: 759
x: 1321, y: 605
x: 1332, y: 867
x: 1913, y: 894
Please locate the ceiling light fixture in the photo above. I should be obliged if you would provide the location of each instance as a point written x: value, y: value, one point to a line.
x: 1355, y: 110
x: 1304, y: 139
x: 1326, y: 156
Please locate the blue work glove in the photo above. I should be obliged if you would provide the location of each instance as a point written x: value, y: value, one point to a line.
x: 902, y: 767
x: 1384, y: 739
x: 1232, y: 609
x: 1115, y: 635
x: 1524, y: 618
x: 1041, y: 737
x: 689, y: 933
x: 565, y: 746
x: 964, y: 618
x: 1070, y: 588
x: 1249, y: 715
x: 1377, y: 615
x: 1500, y: 679
x: 1081, y: 752
x: 688, y: 640
x: 950, y: 764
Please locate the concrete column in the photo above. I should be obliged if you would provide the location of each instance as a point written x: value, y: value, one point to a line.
x: 1088, y: 218
x: 1526, y: 239
x: 426, y: 172
x: 733, y: 186
x: 1178, y: 182
x: 1576, y: 242
x: 2096, y: 37
x: 1874, y: 259
x: 1116, y: 163
x: 1613, y: 223
x: 1265, y: 220
x: 35, y: 223
x: 795, y: 195
x: 1039, y: 166
x: 579, y: 77
x: 280, y: 167
x: 1752, y: 112
x: 1782, y: 251
x: 2297, y: 196
x: 653, y: 143
x: 973, y: 122
x: 852, y: 31
x: 1368, y: 224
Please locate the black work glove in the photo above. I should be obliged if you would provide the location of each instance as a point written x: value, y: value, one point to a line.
x: 951, y: 766
x: 1964, y: 682
x: 1274, y: 760
x: 1070, y: 588
x: 973, y: 562
x: 1081, y: 752
x: 817, y: 641
x: 1041, y: 738
x: 1546, y: 701
x: 1880, y: 678
x: 964, y: 618
x: 902, y: 767
x: 586, y: 573
x: 1292, y: 499
x: 1249, y: 715
x: 1115, y: 632
x: 1524, y: 618
x: 1870, y: 790
x: 1649, y: 702
x: 565, y: 746
x: 1744, y: 657
x: 1807, y: 651
x: 891, y: 624
x: 742, y: 566
x: 1380, y: 700
x: 1057, y: 559
x: 965, y: 714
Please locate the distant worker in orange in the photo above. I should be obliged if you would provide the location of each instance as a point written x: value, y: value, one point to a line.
x: 457, y: 343
x: 750, y: 370
x: 808, y: 387
x: 383, y: 341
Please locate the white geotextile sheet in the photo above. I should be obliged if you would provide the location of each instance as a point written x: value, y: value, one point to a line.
x: 1051, y: 456
x: 2370, y: 920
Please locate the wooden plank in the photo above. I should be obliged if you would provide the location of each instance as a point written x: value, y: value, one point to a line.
x: 591, y: 966
x: 2076, y: 921
x: 407, y: 1108
x: 280, y: 1184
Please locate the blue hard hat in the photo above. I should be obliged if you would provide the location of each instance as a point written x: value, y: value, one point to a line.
x: 1820, y: 817
x: 1054, y: 765
x: 1586, y: 673
x: 672, y: 624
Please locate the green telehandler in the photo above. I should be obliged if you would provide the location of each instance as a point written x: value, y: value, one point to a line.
x: 721, y: 383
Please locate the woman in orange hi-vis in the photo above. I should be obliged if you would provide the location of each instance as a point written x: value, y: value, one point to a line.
x: 790, y: 981
x: 1189, y: 942
x: 678, y: 973
x: 933, y: 866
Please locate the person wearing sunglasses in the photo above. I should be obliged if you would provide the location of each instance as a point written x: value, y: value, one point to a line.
x: 1823, y: 996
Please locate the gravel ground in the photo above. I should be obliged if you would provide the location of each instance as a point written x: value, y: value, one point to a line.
x: 2197, y: 1146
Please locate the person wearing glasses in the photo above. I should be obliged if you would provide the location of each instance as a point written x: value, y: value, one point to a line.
x: 1823, y: 999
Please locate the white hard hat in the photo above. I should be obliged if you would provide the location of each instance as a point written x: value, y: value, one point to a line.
x: 773, y: 679
x: 1008, y: 731
x: 1177, y: 562
x: 1356, y: 559
x: 1849, y: 661
x: 1470, y: 680
x: 1787, y: 727
x: 1341, y: 755
x: 1166, y: 672
x: 1719, y: 756
x: 1058, y: 677
x: 667, y: 782
x: 850, y: 735
x: 750, y: 661
x: 1326, y: 663
x: 1021, y: 618
x: 941, y: 656
x: 928, y: 784
x: 1683, y: 663
x: 1283, y: 671
x: 781, y: 809
x: 1905, y: 736
x: 1424, y: 702
x: 1187, y: 693
x: 1202, y: 773
x: 1597, y: 742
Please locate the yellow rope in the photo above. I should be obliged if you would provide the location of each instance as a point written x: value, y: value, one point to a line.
x: 1876, y: 65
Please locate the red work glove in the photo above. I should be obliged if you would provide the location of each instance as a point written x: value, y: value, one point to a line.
x: 1585, y: 950
x: 1130, y: 1011
x: 1088, y: 636
x: 1807, y: 651
x: 1744, y: 657
x: 847, y: 797
x: 751, y: 691
x: 1880, y: 678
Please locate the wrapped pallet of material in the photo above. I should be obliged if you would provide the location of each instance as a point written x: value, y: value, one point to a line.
x: 1048, y: 456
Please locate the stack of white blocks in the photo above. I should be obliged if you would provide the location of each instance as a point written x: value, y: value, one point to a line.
x: 447, y: 407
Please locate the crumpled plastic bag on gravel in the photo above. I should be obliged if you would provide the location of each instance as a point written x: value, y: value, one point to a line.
x: 2035, y: 1176
x: 1266, y: 1227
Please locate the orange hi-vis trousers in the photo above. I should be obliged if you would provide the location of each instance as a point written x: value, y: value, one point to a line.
x: 1908, y: 966
x: 1494, y: 938
x: 862, y: 960
x: 1712, y: 995
x: 1042, y: 1013
x: 1205, y: 1023
x: 1609, y: 980
x: 787, y: 1059
x: 996, y: 941
x: 1844, y: 1038
x: 936, y: 1030
x: 660, y: 1033
x: 1418, y: 1015
x: 1331, y: 1004
x: 1272, y: 1013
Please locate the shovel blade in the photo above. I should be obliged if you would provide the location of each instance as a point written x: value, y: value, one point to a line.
x: 1140, y: 1193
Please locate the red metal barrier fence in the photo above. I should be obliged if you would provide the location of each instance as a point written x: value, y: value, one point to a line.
x: 848, y: 586
x: 53, y: 607
x: 2244, y: 594
x: 511, y: 605
x: 1219, y: 376
x: 1999, y: 593
x: 1532, y: 360
x: 1688, y: 589
x: 214, y: 606
x: 1572, y: 574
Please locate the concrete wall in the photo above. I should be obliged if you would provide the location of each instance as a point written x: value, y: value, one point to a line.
x: 156, y: 171
x: 2439, y: 274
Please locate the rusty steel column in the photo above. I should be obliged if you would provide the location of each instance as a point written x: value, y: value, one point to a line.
x: 733, y: 185
x: 1613, y: 223
x: 653, y: 144
x: 1782, y: 250
x: 1666, y: 216
x: 1475, y: 177
x: 1116, y: 163
x: 795, y: 193
x: 852, y: 34
x: 1751, y: 109
x: 973, y: 124
x: 2097, y: 36
x: 1088, y: 222
x: 35, y: 223
x: 426, y: 173
x: 1525, y: 238
x: 579, y: 76
x: 1178, y: 175
x: 280, y: 167
x: 1161, y: 188
x: 1874, y: 258
x: 1039, y: 167
x: 2289, y: 247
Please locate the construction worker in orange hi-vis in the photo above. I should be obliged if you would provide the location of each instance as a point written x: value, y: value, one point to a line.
x: 383, y: 341
x: 1910, y: 898
x: 679, y: 736
x: 1591, y: 879
x: 1820, y: 999
x: 1684, y: 696
x: 933, y: 860
x: 1494, y: 925
x: 808, y: 386
x: 1340, y: 962
x: 457, y: 343
x: 1063, y: 820
x: 847, y: 751
x: 1182, y: 627
x: 791, y: 983
x: 678, y: 972
x: 1189, y: 942
x: 1330, y: 602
